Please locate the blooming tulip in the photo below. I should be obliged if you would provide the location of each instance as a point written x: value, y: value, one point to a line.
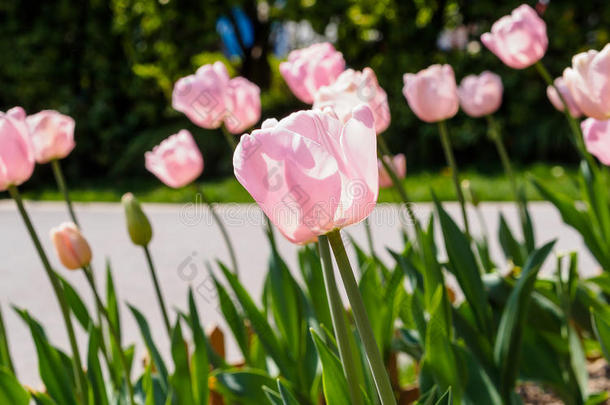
x: 52, y: 135
x: 480, y: 95
x: 201, y: 97
x: 176, y: 161
x: 551, y: 92
x: 70, y: 245
x: 589, y: 82
x: 243, y: 103
x: 308, y: 69
x: 518, y: 39
x: 398, y: 163
x: 16, y: 151
x: 597, y: 138
x: 432, y: 93
x: 311, y: 173
x: 352, y: 88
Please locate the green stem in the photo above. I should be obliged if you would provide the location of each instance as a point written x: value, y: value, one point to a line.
x: 223, y: 230
x: 369, y: 236
x: 4, y: 349
x: 380, y: 375
x: 160, y: 299
x: 81, y: 382
x: 113, y: 331
x: 61, y: 184
x: 230, y: 138
x: 442, y: 127
x: 337, y: 313
x: 574, y: 127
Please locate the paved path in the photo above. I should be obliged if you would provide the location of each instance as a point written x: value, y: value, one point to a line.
x: 184, y: 237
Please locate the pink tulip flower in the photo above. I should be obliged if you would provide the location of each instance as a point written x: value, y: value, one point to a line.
x: 201, y: 97
x: 70, y: 245
x: 589, y: 82
x: 432, y: 93
x: 243, y: 103
x: 480, y: 95
x: 311, y: 173
x: 551, y: 93
x: 52, y: 135
x: 398, y: 163
x: 176, y: 161
x: 16, y: 150
x: 518, y: 39
x: 597, y: 138
x: 308, y: 69
x: 351, y: 89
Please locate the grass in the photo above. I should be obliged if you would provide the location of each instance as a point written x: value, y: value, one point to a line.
x: 487, y: 186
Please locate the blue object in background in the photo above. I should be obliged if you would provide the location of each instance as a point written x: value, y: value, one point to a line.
x: 228, y: 33
x: 244, y: 26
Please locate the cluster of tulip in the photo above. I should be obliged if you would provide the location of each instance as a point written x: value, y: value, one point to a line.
x: 328, y: 163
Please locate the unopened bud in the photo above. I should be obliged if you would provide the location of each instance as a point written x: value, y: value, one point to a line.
x: 138, y: 225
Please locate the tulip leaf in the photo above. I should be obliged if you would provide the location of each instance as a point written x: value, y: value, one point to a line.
x: 288, y: 397
x: 200, y: 363
x: 510, y: 331
x: 78, y: 307
x: 511, y: 248
x: 94, y: 370
x: 601, y: 326
x: 5, y: 354
x: 244, y: 385
x: 333, y: 378
x: 180, y: 380
x: 311, y: 270
x: 40, y: 398
x: 11, y: 391
x: 273, y: 397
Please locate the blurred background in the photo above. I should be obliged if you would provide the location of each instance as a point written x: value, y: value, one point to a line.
x: 111, y: 65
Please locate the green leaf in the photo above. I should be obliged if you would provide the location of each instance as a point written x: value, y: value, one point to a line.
x: 311, y: 270
x: 601, y: 326
x: 41, y: 398
x: 76, y: 304
x: 200, y: 363
x: 288, y: 397
x: 333, y: 378
x: 152, y: 348
x: 94, y: 370
x: 112, y: 301
x: 446, y: 398
x: 273, y: 397
x: 463, y: 264
x: 11, y: 392
x: 181, y: 378
x: 5, y: 354
x: 244, y: 385
x: 508, y: 341
x: 511, y: 248
x: 54, y: 374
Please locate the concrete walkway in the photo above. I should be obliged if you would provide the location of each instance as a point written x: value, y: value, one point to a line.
x: 184, y: 238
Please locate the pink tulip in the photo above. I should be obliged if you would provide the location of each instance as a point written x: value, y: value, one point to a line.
x: 398, y: 163
x: 351, y: 89
x: 551, y: 93
x: 311, y: 173
x: 176, y: 161
x: 597, y: 138
x: 518, y: 39
x: 71, y: 247
x: 16, y: 150
x: 589, y: 82
x: 308, y: 69
x: 201, y: 97
x: 243, y: 102
x: 52, y: 135
x: 432, y: 93
x: 480, y: 95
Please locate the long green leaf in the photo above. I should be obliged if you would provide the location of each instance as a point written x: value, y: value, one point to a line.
x: 94, y: 370
x: 511, y: 248
x: 246, y: 386
x: 11, y: 392
x: 200, y: 363
x: 78, y: 307
x: 601, y: 326
x: 181, y: 378
x: 5, y: 354
x: 333, y: 379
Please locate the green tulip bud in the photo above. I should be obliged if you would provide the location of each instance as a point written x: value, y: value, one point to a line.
x: 138, y: 225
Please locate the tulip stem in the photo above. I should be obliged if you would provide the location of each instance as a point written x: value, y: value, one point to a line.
x: 383, y: 150
x: 153, y: 274
x: 574, y: 127
x: 113, y: 331
x: 223, y: 230
x: 61, y: 184
x: 230, y: 138
x: 369, y: 237
x: 337, y: 313
x: 380, y: 375
x: 442, y: 127
x: 81, y: 382
x: 5, y: 353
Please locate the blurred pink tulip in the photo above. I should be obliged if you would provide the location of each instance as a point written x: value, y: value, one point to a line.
x: 589, y: 82
x: 16, y: 150
x: 351, y: 89
x: 311, y: 173
x: 71, y: 247
x: 432, y: 93
x: 551, y: 93
x: 176, y: 161
x: 308, y: 69
x: 399, y: 164
x: 243, y: 102
x: 597, y: 138
x: 52, y: 135
x: 201, y: 97
x: 480, y: 95
x: 518, y: 39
